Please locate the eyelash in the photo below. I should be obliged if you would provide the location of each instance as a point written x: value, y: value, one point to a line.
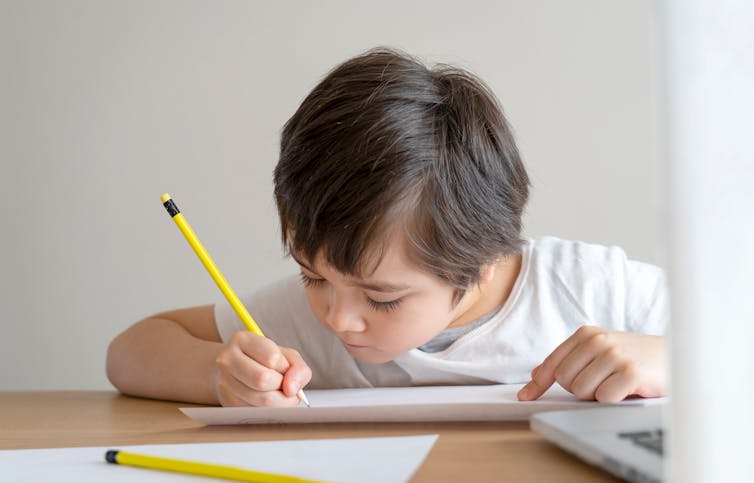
x: 310, y: 282
x: 384, y: 306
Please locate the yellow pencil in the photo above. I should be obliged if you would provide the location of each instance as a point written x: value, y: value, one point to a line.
x: 214, y: 272
x: 195, y: 468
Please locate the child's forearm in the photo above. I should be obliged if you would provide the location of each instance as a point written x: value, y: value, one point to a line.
x: 157, y: 358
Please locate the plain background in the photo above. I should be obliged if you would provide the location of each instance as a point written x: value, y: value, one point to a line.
x: 105, y: 105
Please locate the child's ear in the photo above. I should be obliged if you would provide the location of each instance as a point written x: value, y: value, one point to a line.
x: 488, y: 271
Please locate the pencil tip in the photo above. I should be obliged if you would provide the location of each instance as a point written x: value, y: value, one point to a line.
x: 303, y: 398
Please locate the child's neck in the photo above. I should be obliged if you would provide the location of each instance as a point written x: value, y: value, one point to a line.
x: 482, y: 299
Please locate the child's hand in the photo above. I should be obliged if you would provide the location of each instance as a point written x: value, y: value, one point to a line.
x: 602, y: 364
x: 254, y: 371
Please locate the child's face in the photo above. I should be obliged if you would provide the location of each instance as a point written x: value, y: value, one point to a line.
x: 395, y: 309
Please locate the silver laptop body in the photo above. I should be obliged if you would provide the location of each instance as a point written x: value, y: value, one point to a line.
x: 626, y: 440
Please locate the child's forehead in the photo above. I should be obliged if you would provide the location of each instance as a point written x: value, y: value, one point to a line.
x: 390, y: 258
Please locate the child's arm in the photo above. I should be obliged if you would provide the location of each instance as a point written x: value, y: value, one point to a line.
x: 179, y: 355
x: 603, y: 365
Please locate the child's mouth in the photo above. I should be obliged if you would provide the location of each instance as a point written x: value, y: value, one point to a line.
x: 355, y: 346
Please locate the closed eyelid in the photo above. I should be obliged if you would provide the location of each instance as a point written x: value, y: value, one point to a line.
x: 386, y: 306
x: 381, y: 287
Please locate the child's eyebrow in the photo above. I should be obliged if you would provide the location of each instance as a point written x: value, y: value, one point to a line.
x: 382, y: 286
x: 302, y: 264
x: 374, y: 286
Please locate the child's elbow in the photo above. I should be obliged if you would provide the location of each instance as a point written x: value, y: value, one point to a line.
x: 115, y: 364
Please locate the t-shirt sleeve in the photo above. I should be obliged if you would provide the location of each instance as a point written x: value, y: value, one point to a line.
x: 647, y: 300
x: 599, y: 285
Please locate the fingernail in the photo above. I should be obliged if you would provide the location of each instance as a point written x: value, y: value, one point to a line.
x: 523, y: 393
x: 295, y: 387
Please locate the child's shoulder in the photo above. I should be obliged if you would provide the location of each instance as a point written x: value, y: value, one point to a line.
x: 559, y: 252
x: 587, y: 262
x: 615, y: 291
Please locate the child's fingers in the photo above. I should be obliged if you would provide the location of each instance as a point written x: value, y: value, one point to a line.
x: 545, y: 375
x: 230, y: 391
x: 238, y: 394
x: 262, y: 350
x: 251, y: 373
x: 535, y: 370
x: 574, y: 363
x: 619, y: 385
x: 298, y: 374
x: 224, y: 396
x: 523, y: 393
x: 584, y: 385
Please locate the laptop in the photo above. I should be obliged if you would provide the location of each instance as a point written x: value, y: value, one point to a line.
x: 627, y: 441
x: 709, y: 421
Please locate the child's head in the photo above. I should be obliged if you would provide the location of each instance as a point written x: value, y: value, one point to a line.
x: 386, y: 155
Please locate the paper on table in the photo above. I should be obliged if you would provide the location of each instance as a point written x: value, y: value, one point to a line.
x: 334, y: 460
x: 403, y: 404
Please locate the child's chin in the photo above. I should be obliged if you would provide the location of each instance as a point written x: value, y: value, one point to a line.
x: 371, y: 356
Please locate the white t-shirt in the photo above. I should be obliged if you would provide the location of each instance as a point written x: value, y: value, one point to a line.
x: 562, y: 285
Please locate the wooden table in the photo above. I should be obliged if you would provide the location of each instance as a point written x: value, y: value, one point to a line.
x: 464, y: 452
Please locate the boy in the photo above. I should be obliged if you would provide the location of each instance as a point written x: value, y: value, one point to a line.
x: 400, y: 192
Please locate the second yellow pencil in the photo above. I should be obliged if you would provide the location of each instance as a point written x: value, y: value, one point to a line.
x: 196, y: 468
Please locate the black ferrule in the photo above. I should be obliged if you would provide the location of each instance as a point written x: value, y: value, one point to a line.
x: 172, y: 209
x: 110, y: 456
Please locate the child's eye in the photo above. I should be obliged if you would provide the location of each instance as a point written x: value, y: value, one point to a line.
x: 311, y: 282
x: 384, y: 306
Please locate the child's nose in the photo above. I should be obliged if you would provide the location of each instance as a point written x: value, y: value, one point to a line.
x: 343, y: 315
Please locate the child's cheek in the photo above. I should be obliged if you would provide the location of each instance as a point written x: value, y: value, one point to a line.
x: 318, y: 306
x: 415, y: 326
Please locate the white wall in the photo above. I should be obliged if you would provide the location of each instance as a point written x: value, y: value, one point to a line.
x: 105, y: 105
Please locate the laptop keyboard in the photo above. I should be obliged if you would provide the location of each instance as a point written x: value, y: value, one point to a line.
x: 652, y: 440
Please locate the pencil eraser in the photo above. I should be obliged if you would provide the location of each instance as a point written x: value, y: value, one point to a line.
x: 111, y: 455
x: 165, y: 197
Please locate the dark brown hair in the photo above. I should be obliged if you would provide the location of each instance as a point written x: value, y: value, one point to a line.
x: 384, y: 143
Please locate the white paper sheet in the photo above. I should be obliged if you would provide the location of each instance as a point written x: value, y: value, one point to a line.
x: 403, y: 404
x: 334, y: 460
